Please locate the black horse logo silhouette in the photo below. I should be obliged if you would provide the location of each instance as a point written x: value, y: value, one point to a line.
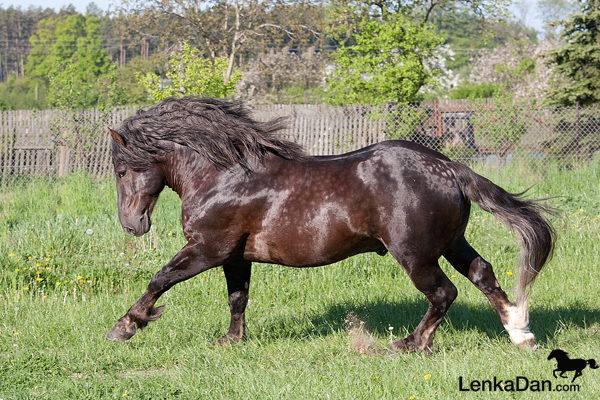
x: 564, y: 364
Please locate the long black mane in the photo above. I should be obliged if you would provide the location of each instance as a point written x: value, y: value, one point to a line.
x: 222, y: 131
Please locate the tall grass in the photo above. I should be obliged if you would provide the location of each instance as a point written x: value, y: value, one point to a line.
x: 68, y: 272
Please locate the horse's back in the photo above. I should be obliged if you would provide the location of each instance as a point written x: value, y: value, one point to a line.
x: 323, y: 209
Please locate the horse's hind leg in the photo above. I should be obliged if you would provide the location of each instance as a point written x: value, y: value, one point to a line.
x: 469, y: 263
x: 430, y: 280
x: 238, y: 283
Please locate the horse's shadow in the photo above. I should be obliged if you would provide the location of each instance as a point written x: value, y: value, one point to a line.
x: 378, y: 316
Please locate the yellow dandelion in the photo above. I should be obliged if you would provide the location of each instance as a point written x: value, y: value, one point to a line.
x: 47, y: 259
x: 412, y: 397
x: 38, y: 265
x: 375, y: 377
x: 124, y: 395
x: 427, y: 376
x: 40, y: 279
x: 57, y: 283
x: 25, y: 269
x: 37, y: 272
x: 16, y: 334
x: 581, y: 210
x: 509, y: 273
x: 89, y: 281
x: 25, y: 288
x: 208, y: 323
x: 170, y: 234
x: 453, y: 276
x: 17, y: 270
x: 44, y: 297
x: 80, y: 277
x: 11, y: 255
x: 29, y: 258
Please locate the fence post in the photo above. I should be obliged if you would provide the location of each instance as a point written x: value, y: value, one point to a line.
x: 437, y: 117
x: 577, y: 130
x: 63, y: 155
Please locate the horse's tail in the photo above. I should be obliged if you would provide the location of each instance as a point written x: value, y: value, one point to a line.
x: 592, y: 363
x: 524, y: 217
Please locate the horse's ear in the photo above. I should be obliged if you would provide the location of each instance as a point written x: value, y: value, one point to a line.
x: 116, y: 137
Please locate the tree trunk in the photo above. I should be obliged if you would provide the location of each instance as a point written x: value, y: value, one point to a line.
x: 234, y: 47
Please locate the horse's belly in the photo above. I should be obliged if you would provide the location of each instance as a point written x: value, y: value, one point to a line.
x: 297, y: 250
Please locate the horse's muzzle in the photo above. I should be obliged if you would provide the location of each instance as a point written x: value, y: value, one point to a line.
x: 140, y: 228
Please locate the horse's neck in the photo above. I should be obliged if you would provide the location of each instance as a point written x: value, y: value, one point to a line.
x: 183, y: 169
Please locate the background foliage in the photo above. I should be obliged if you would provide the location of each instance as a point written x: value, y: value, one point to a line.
x: 304, y: 51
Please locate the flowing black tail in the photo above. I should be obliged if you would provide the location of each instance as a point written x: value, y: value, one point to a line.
x: 522, y: 216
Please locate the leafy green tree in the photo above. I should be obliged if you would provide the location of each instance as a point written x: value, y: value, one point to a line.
x: 131, y: 90
x: 22, y: 94
x: 577, y: 62
x: 191, y: 74
x: 466, y: 35
x: 68, y: 52
x: 386, y: 60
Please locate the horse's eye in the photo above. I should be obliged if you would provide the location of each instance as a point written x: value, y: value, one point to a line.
x: 121, y: 174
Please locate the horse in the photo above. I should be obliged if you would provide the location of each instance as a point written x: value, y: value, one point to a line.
x: 564, y: 364
x: 250, y: 196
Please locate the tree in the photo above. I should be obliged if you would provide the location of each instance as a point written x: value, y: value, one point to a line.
x: 517, y: 69
x: 220, y: 28
x: 551, y: 10
x: 463, y: 32
x: 68, y: 53
x: 16, y: 26
x: 421, y: 11
x: 577, y: 61
x: 191, y: 74
x: 283, y: 76
x: 386, y: 60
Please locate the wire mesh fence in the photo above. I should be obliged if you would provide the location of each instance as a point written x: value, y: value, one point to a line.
x: 50, y: 144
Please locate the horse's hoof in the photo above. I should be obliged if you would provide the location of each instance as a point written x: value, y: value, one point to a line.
x: 406, y: 345
x: 224, y: 341
x: 402, y: 346
x: 117, y: 334
x: 528, y: 344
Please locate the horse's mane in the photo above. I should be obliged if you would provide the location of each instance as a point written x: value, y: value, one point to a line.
x: 222, y: 131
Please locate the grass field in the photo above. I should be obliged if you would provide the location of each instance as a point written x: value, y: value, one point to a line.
x: 69, y: 272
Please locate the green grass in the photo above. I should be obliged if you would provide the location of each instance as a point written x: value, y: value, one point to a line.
x: 52, y: 335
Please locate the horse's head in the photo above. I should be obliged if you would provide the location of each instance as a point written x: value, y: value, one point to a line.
x: 137, y: 191
x: 557, y: 354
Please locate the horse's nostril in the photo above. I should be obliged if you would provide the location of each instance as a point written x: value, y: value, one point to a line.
x: 129, y: 230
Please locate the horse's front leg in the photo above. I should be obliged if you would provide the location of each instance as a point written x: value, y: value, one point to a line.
x: 554, y: 372
x: 186, y: 264
x: 237, y: 275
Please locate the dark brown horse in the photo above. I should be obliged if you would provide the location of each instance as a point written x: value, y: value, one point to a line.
x: 249, y: 196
